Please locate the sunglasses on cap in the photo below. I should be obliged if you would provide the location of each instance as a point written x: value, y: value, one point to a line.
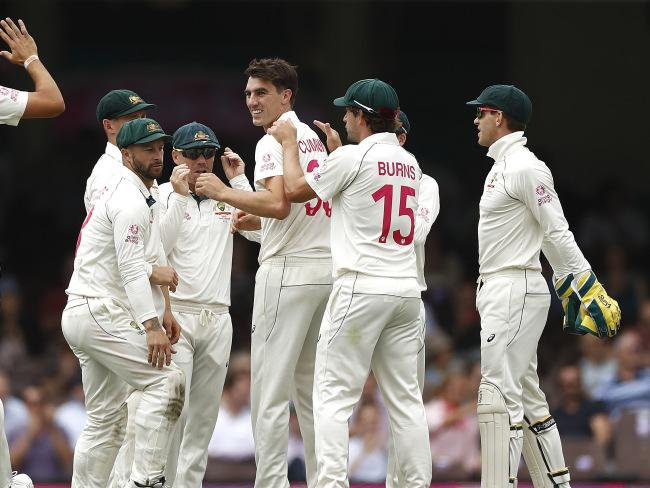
x: 196, y: 152
x: 481, y: 110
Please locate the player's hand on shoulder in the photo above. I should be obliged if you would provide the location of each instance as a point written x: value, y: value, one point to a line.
x: 333, y: 137
x: 242, y: 221
x: 209, y: 185
x: 233, y: 164
x: 283, y: 131
x: 22, y: 45
x: 164, y: 276
x: 178, y: 179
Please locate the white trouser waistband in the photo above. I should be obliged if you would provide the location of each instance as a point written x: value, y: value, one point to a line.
x: 196, y: 308
x: 295, y: 261
x: 513, y: 272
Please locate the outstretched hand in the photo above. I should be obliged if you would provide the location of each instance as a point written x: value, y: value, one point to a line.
x: 22, y: 45
x: 333, y: 137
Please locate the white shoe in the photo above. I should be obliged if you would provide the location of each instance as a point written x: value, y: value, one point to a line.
x: 132, y: 484
x: 21, y: 481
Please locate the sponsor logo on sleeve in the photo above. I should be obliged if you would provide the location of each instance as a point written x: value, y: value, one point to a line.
x: 423, y: 213
x: 133, y: 235
x: 543, y: 196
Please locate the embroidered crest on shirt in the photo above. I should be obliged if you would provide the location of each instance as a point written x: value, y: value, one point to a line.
x: 544, y: 197
x: 222, y: 211
x: 493, y: 179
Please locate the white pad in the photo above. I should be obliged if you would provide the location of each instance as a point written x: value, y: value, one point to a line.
x: 543, y: 454
x: 501, y: 443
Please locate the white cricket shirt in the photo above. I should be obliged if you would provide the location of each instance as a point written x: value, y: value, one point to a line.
x: 116, y: 247
x: 374, y: 189
x: 12, y: 105
x: 428, y: 210
x: 198, y: 243
x: 305, y: 232
x: 520, y: 211
x: 106, y: 170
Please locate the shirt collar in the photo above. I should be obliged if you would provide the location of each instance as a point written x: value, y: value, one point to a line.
x: 135, y: 179
x: 113, y: 152
x: 503, y: 146
x: 381, y: 137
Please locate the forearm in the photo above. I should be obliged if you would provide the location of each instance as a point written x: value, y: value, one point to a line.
x: 61, y: 447
x: 295, y: 184
x: 20, y: 448
x: 262, y: 203
x: 46, y: 99
x: 171, y: 221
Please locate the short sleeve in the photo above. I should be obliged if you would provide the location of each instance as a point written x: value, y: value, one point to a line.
x: 334, y: 175
x: 12, y: 105
x: 268, y: 159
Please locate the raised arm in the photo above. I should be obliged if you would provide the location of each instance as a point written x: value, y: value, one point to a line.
x: 46, y: 100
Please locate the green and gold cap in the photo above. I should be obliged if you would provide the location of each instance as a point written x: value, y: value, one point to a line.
x: 508, y: 99
x: 140, y: 131
x: 194, y: 135
x: 373, y: 96
x: 120, y: 102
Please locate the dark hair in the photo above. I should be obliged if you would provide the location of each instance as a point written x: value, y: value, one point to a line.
x: 512, y: 124
x: 376, y: 123
x: 276, y: 70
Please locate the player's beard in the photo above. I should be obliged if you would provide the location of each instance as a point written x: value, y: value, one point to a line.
x: 147, y: 171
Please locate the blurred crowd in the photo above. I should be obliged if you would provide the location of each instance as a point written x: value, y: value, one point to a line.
x: 599, y: 390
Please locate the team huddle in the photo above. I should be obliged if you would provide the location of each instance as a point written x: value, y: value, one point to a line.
x: 337, y: 293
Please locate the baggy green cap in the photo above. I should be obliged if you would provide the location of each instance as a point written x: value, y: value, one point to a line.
x: 140, y: 131
x: 372, y: 96
x: 507, y: 98
x: 120, y: 102
x: 405, y: 128
x: 194, y: 135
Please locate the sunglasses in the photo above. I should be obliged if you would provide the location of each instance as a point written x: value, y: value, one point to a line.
x: 197, y: 152
x: 481, y: 110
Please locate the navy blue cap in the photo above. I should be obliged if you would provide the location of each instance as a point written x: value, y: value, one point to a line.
x: 194, y: 135
x: 507, y: 98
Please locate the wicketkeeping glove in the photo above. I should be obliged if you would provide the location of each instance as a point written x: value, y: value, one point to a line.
x: 600, y: 314
x: 570, y: 304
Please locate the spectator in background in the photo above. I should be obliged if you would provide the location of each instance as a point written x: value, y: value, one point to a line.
x: 16, y: 415
x: 12, y: 341
x: 368, y: 454
x: 643, y: 328
x: 71, y: 415
x: 233, y: 434
x: 623, y: 283
x: 41, y: 449
x: 440, y: 362
x: 576, y: 415
x: 597, y: 366
x: 630, y: 388
x: 453, y: 427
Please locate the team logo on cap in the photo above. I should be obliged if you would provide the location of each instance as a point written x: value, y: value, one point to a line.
x: 201, y: 136
x: 152, y: 127
x: 134, y: 99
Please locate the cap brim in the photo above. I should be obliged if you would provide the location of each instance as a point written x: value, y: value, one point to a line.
x: 154, y: 137
x: 473, y: 102
x: 195, y: 144
x: 341, y: 102
x: 135, y: 108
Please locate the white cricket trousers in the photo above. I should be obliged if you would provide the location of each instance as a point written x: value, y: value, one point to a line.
x: 394, y: 478
x: 370, y: 323
x: 290, y: 298
x: 202, y: 353
x: 5, y: 461
x: 112, y: 350
x: 513, y: 306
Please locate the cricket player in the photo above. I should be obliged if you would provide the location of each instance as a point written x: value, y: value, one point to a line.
x: 520, y: 214
x: 112, y: 321
x: 114, y: 110
x: 294, y: 279
x: 372, y: 317
x: 44, y: 102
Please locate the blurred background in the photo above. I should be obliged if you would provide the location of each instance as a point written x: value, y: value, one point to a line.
x: 585, y: 66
